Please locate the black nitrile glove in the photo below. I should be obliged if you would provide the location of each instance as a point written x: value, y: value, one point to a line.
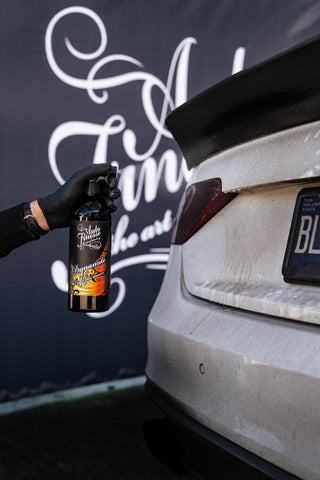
x: 111, y: 192
x: 59, y: 207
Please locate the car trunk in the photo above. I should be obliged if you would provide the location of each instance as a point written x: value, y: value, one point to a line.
x: 259, y: 133
x: 236, y: 258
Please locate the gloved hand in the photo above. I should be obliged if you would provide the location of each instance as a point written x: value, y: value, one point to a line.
x: 61, y: 204
x: 110, y: 190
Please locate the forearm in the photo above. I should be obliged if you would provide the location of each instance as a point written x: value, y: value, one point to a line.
x: 13, y: 229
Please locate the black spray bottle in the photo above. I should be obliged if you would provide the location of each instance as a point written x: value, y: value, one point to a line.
x: 90, y: 251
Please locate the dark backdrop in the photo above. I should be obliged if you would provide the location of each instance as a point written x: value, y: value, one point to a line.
x: 145, y: 57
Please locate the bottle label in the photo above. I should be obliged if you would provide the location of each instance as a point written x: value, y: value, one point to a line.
x: 89, y: 258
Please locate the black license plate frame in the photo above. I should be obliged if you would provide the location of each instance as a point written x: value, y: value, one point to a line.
x: 302, y: 256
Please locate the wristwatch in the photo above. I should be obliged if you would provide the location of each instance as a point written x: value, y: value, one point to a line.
x: 31, y: 223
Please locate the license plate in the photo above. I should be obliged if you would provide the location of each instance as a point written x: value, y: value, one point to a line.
x: 302, y: 258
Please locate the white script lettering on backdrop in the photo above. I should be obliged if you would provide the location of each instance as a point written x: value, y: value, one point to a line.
x: 171, y: 168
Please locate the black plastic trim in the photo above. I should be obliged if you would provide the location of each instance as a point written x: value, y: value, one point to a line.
x: 280, y: 93
x: 207, y: 454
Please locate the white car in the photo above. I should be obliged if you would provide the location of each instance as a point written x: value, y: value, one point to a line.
x: 234, y: 335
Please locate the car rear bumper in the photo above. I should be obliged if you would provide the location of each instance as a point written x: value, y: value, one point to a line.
x: 202, y: 452
x: 251, y: 378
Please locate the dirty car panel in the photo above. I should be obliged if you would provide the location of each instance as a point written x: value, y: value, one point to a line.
x: 234, y: 336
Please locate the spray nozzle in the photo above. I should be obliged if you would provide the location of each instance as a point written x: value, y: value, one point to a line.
x: 112, y: 173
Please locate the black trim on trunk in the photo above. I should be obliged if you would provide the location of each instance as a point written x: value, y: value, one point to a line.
x: 280, y: 93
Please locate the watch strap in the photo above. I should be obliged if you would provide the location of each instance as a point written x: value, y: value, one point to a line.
x: 31, y: 223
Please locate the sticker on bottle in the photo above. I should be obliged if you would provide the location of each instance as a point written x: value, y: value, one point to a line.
x: 89, y: 258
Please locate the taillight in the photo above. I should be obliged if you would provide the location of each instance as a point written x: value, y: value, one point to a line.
x: 200, y: 202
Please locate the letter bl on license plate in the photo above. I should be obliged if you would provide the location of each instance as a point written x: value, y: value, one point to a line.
x: 302, y: 258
